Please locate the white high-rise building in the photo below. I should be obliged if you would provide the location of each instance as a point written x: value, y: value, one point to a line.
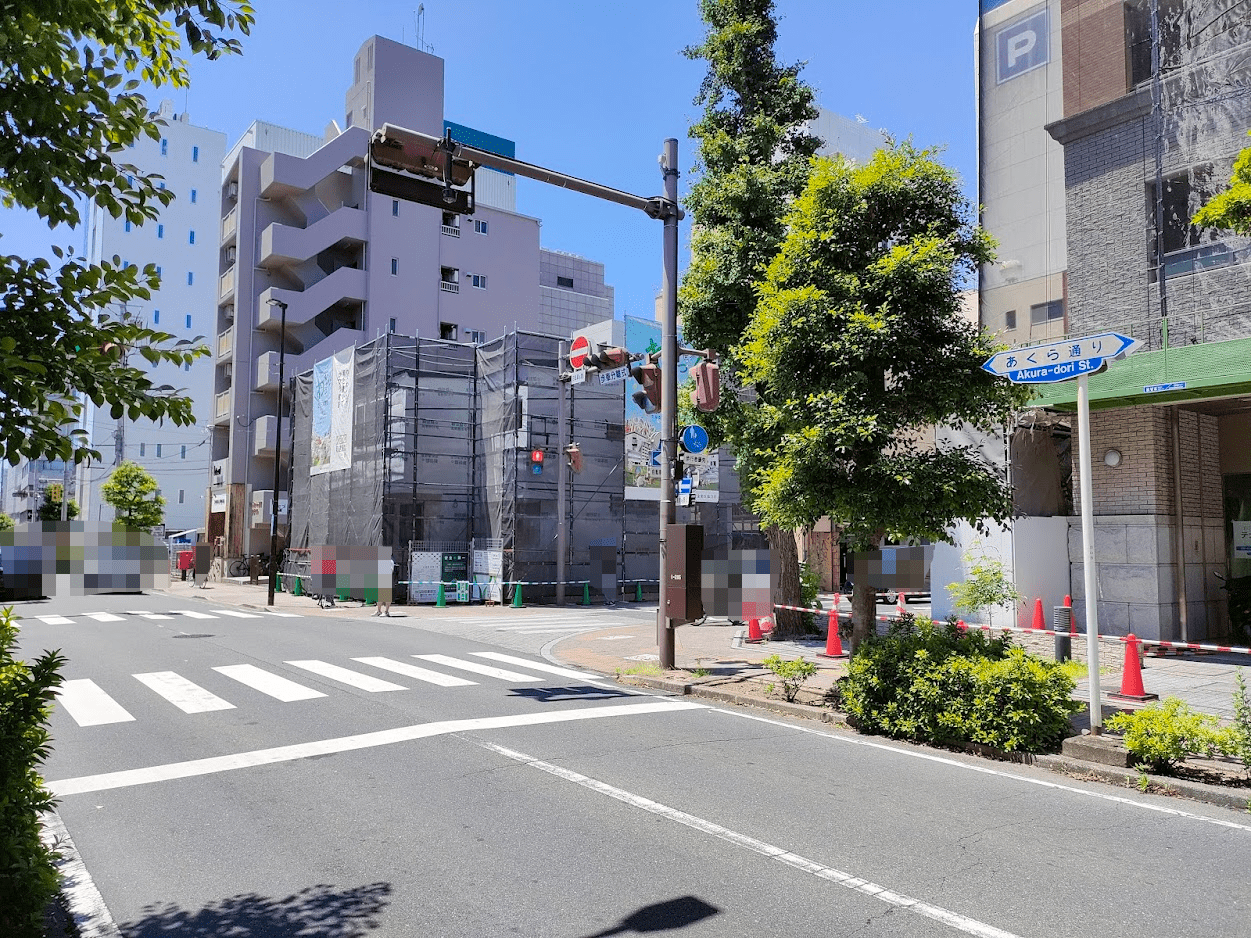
x: 183, y: 244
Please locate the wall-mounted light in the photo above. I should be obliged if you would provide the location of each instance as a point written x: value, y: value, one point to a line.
x: 1112, y: 458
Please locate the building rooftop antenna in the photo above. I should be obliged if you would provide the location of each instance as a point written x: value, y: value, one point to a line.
x: 420, y: 18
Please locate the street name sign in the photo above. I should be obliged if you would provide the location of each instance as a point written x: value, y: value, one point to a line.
x: 613, y: 375
x: 1171, y: 386
x: 577, y: 376
x: 1060, y: 361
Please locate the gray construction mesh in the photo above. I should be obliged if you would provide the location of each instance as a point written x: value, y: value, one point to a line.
x: 441, y: 454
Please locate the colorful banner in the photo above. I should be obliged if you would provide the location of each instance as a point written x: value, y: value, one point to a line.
x: 332, y: 414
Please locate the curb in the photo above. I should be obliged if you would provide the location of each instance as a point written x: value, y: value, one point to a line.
x: 1195, y: 791
x: 742, y: 700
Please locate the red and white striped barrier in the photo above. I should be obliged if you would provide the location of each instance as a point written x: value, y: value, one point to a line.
x: 1191, y: 646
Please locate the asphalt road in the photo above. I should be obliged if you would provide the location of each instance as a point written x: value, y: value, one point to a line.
x: 539, y: 803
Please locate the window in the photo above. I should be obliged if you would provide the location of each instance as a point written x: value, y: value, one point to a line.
x: 158, y: 449
x: 447, y: 330
x: 182, y: 494
x: 188, y: 320
x: 158, y: 271
x: 1138, y: 38
x: 476, y: 337
x: 192, y: 196
x: 1042, y: 313
x: 395, y: 266
x: 1009, y: 319
x: 190, y: 277
x: 160, y: 231
x: 164, y: 147
x: 566, y: 282
x: 391, y: 325
x: 130, y: 180
x: 156, y: 316
x: 480, y: 226
x: 451, y: 220
x: 161, y: 184
x: 195, y: 155
x: 191, y: 237
x: 143, y: 449
x: 395, y: 207
x: 183, y: 453
x: 478, y: 280
x: 186, y: 366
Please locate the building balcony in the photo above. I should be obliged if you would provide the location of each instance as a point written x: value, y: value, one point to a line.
x: 448, y: 287
x: 221, y: 408
x: 230, y: 227
x: 225, y: 343
x: 284, y: 175
x: 267, y: 371
x: 450, y: 230
x: 264, y: 432
x: 285, y: 244
x: 345, y: 285
x: 226, y: 286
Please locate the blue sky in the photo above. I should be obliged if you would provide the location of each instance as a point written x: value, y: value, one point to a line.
x: 589, y: 88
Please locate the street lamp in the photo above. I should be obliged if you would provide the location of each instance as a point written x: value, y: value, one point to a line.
x: 273, y: 534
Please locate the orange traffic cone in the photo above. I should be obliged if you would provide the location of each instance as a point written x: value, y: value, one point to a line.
x: 1131, y: 676
x: 766, y: 625
x: 901, y: 607
x: 754, y: 635
x: 833, y: 644
x: 1038, y: 616
x: 961, y: 626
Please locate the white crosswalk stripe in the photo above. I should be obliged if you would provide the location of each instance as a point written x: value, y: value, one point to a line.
x: 411, y: 670
x: 193, y: 614
x: 154, y: 615
x: 277, y: 687
x: 536, y: 666
x: 238, y: 614
x: 473, y: 666
x: 182, y: 693
x: 89, y: 705
x: 345, y: 676
x: 104, y: 617
x: 55, y: 620
x: 282, y: 615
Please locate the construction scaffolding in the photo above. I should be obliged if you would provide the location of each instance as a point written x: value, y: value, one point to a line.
x: 441, y: 449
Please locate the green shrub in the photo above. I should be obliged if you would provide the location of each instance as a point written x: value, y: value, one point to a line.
x: 792, y: 674
x: 1162, y: 735
x: 931, y: 682
x: 28, y: 879
x: 1237, y: 742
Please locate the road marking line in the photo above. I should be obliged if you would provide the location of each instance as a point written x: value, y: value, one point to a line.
x: 243, y: 760
x: 85, y: 904
x: 535, y: 666
x: 104, y: 617
x: 237, y: 614
x: 55, y: 620
x: 988, y: 771
x: 344, y: 676
x: 486, y: 669
x: 283, y: 615
x: 193, y: 614
x: 89, y: 705
x: 541, y: 630
x: 154, y: 615
x: 183, y: 694
x: 421, y: 674
x: 937, y: 913
x: 277, y: 687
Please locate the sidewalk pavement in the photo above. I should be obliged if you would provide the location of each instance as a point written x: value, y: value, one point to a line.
x: 1204, y: 681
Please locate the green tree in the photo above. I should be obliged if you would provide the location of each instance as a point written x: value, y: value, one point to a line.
x: 6, y: 522
x: 856, y: 345
x: 753, y: 159
x: 1231, y: 209
x: 69, y: 78
x: 131, y: 490
x: 986, y: 586
x: 50, y: 507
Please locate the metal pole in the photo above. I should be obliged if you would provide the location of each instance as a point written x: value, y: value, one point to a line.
x: 562, y: 479
x: 273, y: 535
x: 1088, y: 553
x: 669, y: 394
x: 1179, y: 520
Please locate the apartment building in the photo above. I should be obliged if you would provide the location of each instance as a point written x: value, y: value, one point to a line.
x: 312, y: 263
x: 1156, y: 102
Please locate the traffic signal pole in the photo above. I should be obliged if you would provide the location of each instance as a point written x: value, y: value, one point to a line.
x: 668, y: 398
x: 562, y: 481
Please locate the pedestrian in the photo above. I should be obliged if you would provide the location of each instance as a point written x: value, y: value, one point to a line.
x: 384, y: 594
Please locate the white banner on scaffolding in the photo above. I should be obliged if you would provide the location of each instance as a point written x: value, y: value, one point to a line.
x: 332, y: 413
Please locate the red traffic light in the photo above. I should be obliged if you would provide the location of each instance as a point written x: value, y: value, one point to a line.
x: 536, y: 456
x: 707, y: 393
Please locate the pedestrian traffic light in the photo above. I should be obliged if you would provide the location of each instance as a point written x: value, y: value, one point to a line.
x: 575, y: 457
x: 536, y: 461
x: 648, y: 375
x: 608, y: 356
x: 707, y: 393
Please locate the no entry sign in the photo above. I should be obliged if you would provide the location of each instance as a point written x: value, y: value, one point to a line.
x: 579, y: 349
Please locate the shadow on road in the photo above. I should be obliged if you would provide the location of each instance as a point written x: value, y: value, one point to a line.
x: 318, y: 910
x: 662, y: 916
x: 582, y: 692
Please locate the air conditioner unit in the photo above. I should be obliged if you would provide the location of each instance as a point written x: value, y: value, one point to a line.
x: 229, y: 312
x: 229, y: 370
x: 231, y: 253
x: 232, y: 190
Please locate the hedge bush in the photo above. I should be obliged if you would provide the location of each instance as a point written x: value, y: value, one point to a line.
x: 1161, y: 735
x: 932, y: 682
x: 28, y: 879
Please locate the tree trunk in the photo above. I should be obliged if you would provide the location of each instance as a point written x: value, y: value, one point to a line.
x: 783, y: 548
x: 863, y: 604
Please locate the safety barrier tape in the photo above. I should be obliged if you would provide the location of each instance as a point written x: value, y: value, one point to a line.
x: 1191, y: 646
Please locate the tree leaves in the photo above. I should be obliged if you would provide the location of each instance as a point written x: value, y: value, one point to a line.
x: 132, y: 491
x: 68, y: 74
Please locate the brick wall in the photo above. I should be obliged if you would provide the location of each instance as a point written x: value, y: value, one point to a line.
x: 1143, y: 483
x: 1093, y: 37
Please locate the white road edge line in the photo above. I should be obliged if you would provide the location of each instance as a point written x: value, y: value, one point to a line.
x: 243, y: 760
x: 937, y: 913
x: 85, y: 903
x: 1118, y: 799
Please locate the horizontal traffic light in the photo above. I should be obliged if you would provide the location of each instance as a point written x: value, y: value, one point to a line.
x: 608, y: 357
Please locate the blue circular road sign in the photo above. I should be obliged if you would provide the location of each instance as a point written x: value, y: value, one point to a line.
x: 694, y: 439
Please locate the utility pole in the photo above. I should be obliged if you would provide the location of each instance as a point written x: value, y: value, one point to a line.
x: 668, y: 397
x: 562, y: 477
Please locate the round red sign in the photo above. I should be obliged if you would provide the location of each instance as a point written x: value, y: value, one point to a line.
x: 579, y: 349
